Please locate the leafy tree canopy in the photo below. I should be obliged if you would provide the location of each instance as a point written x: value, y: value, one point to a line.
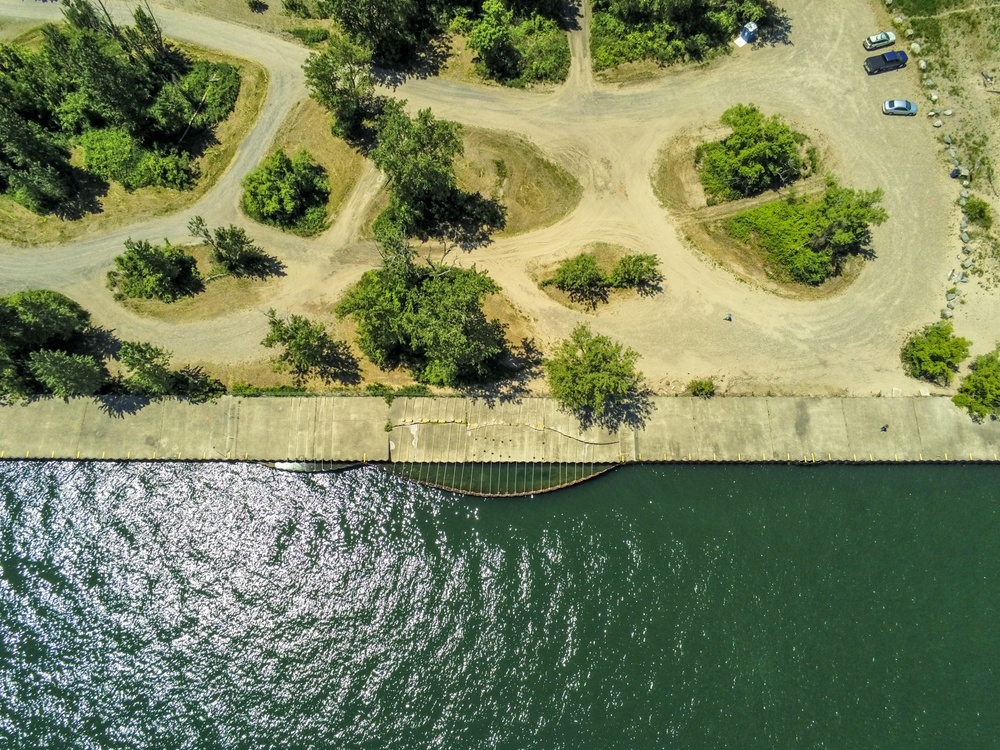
x: 341, y: 80
x: 427, y: 318
x: 762, y: 153
x: 935, y: 353
x: 290, y: 193
x: 806, y: 240
x: 307, y: 349
x: 233, y: 250
x: 67, y: 375
x: 150, y: 271
x: 590, y: 372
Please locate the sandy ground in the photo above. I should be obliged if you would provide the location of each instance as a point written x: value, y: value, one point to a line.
x: 609, y: 138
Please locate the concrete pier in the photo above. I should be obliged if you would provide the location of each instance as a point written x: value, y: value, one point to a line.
x: 456, y: 430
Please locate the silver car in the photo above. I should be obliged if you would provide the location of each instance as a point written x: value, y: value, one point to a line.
x: 899, y: 107
x: 880, y: 40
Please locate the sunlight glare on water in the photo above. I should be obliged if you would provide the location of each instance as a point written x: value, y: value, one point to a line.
x: 232, y: 606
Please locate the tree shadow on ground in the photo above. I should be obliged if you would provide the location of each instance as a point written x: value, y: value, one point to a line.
x: 516, y: 370
x: 632, y: 410
x: 85, y: 200
x: 591, y: 297
x: 775, y: 29
x: 118, y: 405
x: 650, y: 288
x: 426, y: 63
x: 262, y: 267
x: 335, y: 363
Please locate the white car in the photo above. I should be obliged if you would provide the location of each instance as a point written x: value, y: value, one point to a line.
x: 899, y: 107
x: 880, y: 40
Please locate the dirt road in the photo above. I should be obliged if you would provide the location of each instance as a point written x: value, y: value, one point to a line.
x: 609, y: 139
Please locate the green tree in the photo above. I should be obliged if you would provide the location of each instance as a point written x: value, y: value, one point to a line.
x: 39, y: 318
x: 417, y: 155
x: 393, y: 29
x: 67, y: 375
x: 290, y: 193
x: 761, y: 153
x: 590, y: 373
x: 493, y: 42
x: 934, y: 353
x: 640, y: 271
x: 233, y: 250
x: 980, y: 389
x: 341, y: 80
x: 34, y: 170
x: 147, y: 371
x: 149, y: 271
x: 14, y: 387
x: 307, y: 349
x: 582, y: 279
x: 429, y: 319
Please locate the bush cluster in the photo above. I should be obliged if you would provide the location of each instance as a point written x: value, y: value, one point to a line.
x: 806, y: 240
x: 762, y: 153
x: 518, y: 50
x: 979, y: 393
x: 584, y: 281
x: 979, y: 212
x: 668, y: 32
x: 136, y: 105
x: 934, y: 353
x: 288, y: 192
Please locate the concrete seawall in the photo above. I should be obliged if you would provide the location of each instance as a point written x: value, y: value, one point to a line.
x: 454, y: 430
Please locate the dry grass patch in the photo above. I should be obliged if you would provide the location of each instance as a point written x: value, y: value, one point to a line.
x: 632, y: 73
x: 537, y: 192
x: 460, y: 65
x: 222, y: 296
x: 308, y: 126
x: 118, y: 207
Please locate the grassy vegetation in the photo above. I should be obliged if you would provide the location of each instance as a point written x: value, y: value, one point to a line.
x: 806, y: 240
x: 116, y: 206
x: 625, y: 31
x: 537, y: 192
x: 924, y: 7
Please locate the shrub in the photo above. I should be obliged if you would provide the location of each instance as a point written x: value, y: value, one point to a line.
x: 290, y: 193
x: 114, y: 155
x: 67, y: 375
x: 641, y: 271
x: 979, y: 212
x: 216, y: 85
x: 980, y: 389
x: 704, y: 388
x: 148, y: 271
x: 934, y: 353
x: 581, y: 278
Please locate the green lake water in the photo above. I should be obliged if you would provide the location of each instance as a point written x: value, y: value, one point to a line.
x: 232, y: 606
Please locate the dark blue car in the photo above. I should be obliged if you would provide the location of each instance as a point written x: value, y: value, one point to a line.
x: 886, y: 61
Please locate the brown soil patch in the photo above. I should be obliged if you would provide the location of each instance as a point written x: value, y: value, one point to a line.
x: 308, y: 127
x: 118, y: 207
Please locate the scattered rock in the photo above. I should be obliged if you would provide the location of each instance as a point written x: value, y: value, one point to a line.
x: 938, y: 123
x: 966, y: 249
x: 946, y: 314
x: 962, y: 202
x: 922, y: 65
x: 915, y: 49
x: 965, y: 237
x: 963, y: 172
x: 965, y: 193
x: 934, y: 97
x: 947, y: 139
x: 932, y: 113
x: 964, y: 278
x: 929, y: 83
x: 950, y: 296
x: 955, y: 162
x: 923, y: 391
x: 909, y: 32
x: 952, y: 153
x: 966, y: 183
x: 967, y: 263
x: 948, y: 113
x: 951, y: 274
x: 965, y: 222
x: 898, y: 20
x: 951, y: 305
